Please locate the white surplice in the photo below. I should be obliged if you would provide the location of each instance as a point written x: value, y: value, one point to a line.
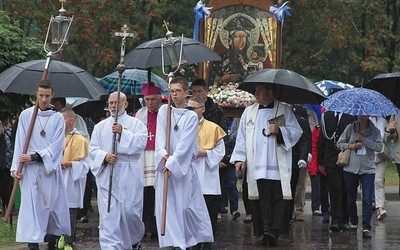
x: 265, y: 156
x: 188, y: 222
x: 44, y: 205
x: 207, y: 167
x: 122, y: 226
x: 75, y: 176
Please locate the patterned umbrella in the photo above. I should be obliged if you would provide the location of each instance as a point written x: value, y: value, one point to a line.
x: 132, y: 81
x: 329, y: 87
x: 360, y: 101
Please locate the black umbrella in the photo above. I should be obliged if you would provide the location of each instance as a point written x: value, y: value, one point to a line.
x: 288, y: 86
x: 148, y: 54
x: 387, y: 84
x: 68, y: 80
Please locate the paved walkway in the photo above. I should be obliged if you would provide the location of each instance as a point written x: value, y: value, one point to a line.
x: 309, y: 234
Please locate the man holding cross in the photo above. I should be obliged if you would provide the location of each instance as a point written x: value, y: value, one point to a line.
x: 148, y: 115
x: 122, y: 227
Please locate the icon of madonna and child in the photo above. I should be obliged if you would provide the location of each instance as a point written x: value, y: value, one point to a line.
x: 245, y: 46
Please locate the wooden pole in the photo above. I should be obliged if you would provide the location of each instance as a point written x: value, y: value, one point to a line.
x: 166, y: 173
x: 26, y: 145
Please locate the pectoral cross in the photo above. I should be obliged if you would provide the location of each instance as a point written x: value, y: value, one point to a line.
x: 150, y: 136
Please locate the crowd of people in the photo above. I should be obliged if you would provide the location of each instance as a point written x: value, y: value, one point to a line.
x: 182, y: 162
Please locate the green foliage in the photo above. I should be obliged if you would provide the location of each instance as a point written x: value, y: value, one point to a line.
x: 350, y: 40
x: 7, y: 234
x: 15, y: 47
x: 347, y: 40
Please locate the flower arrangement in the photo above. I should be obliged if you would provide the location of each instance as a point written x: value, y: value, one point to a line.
x: 230, y: 96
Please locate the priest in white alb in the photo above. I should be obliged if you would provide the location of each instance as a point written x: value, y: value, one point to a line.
x: 122, y: 227
x: 267, y: 132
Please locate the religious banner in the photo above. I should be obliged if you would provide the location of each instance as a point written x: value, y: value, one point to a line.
x: 245, y: 34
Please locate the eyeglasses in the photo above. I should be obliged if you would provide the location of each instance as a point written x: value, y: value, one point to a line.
x: 176, y: 91
x: 197, y: 107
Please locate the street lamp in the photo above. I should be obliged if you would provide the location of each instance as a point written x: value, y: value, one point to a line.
x: 59, y: 27
x: 170, y: 48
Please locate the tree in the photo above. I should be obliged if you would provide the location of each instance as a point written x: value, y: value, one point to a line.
x: 15, y: 48
x: 351, y: 40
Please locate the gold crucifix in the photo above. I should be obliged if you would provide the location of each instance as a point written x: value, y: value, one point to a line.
x: 166, y: 25
x: 62, y: 3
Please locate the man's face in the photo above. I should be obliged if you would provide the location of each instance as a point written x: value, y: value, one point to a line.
x: 69, y: 122
x: 44, y: 97
x: 239, y: 40
x: 263, y: 96
x: 112, y: 105
x: 178, y: 93
x: 199, y: 91
x: 152, y: 102
x: 198, y: 108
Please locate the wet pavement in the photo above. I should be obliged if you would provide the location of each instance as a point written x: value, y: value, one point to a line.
x: 308, y: 234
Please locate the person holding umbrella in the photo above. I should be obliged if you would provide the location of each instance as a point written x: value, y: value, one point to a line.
x: 363, y: 139
x: 122, y: 226
x: 267, y: 132
x: 44, y: 204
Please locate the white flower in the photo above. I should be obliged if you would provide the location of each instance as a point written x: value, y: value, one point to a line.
x: 230, y: 96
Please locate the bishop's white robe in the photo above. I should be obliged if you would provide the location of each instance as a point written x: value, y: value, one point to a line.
x: 188, y: 222
x: 76, y: 152
x: 44, y: 206
x: 122, y: 226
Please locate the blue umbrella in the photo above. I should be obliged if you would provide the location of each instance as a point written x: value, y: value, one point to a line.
x: 360, y: 101
x: 329, y: 87
x: 132, y: 81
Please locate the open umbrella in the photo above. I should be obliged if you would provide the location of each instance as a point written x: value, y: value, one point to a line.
x: 387, y: 84
x: 148, y: 54
x: 329, y: 87
x: 68, y: 80
x: 288, y: 86
x: 360, y: 101
x: 132, y: 81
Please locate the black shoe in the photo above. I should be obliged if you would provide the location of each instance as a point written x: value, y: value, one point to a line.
x: 263, y: 241
x: 223, y: 211
x: 334, y: 228
x: 33, y: 246
x: 367, y: 234
x: 137, y: 246
x: 344, y: 227
x: 353, y: 230
x: 271, y: 239
x: 51, y: 246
